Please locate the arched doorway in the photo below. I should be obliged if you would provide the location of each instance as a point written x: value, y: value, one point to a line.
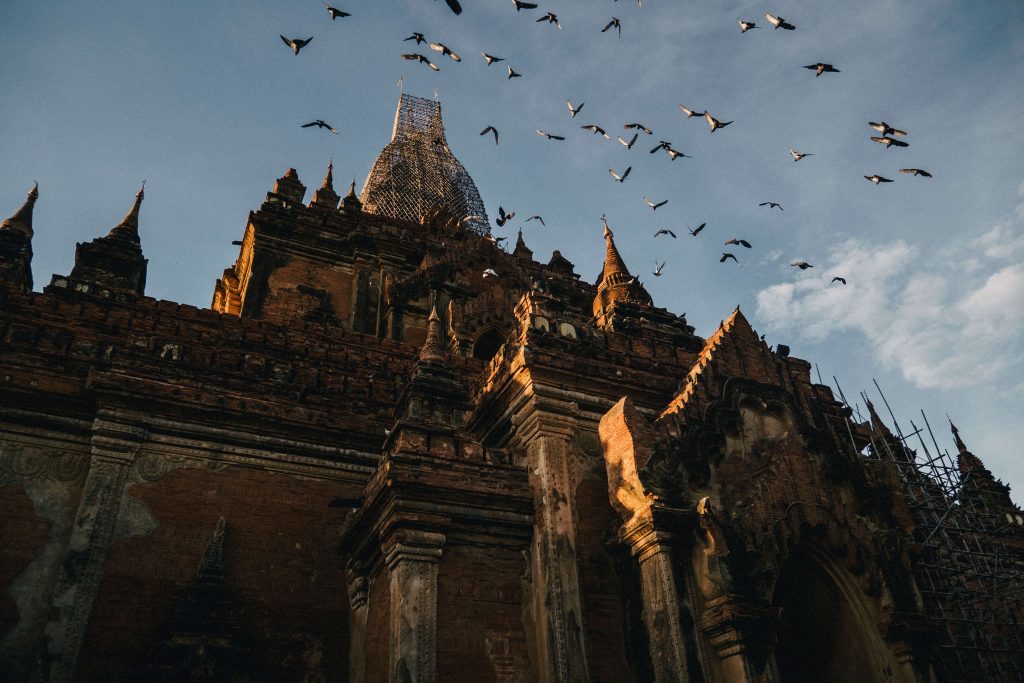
x: 821, y: 636
x: 488, y: 343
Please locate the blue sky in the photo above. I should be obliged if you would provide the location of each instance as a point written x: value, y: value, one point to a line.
x: 205, y: 102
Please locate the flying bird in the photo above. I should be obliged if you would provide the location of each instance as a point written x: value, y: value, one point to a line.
x: 746, y: 25
x: 416, y: 57
x: 675, y: 154
x: 889, y: 142
x: 497, y: 240
x: 620, y: 178
x: 657, y: 268
x: 551, y: 18
x: 779, y: 22
x: 802, y: 265
x: 665, y: 231
x: 418, y: 37
x: 664, y: 144
x: 491, y: 59
x: 596, y: 130
x: 838, y: 279
x: 296, y: 44
x: 715, y: 123
x: 632, y: 141
x: 739, y: 242
x: 876, y: 179
x: 454, y: 6
x: 797, y: 156
x: 574, y: 110
x: 335, y: 12
x: 504, y: 217
x: 445, y: 50
x: 654, y: 206
x: 821, y: 68
x: 885, y: 129
x: 690, y: 113
x: 491, y: 129
x: 535, y: 218
x: 772, y: 205
x: 490, y: 273
x: 697, y: 231
x: 513, y: 74
x: 614, y: 22
x: 726, y: 255
x: 320, y: 123
x: 638, y: 126
x: 548, y: 135
x: 916, y: 171
x: 520, y: 5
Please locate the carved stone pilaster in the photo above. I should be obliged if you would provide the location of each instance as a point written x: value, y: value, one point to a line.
x: 560, y: 637
x: 115, y: 444
x: 412, y: 558
x: 359, y: 599
x: 741, y: 631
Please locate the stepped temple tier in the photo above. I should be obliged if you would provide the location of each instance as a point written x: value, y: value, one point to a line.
x: 368, y: 462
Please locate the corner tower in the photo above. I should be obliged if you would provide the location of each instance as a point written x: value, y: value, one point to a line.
x: 416, y: 174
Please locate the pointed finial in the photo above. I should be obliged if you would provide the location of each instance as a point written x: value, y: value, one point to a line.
x: 432, y: 349
x: 329, y: 178
x: 607, y: 231
x: 22, y: 219
x: 352, y: 188
x: 130, y: 221
x: 960, y: 445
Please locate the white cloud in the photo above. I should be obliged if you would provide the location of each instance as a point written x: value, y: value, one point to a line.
x: 940, y: 326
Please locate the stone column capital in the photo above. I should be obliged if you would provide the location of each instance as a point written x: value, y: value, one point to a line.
x: 412, y: 545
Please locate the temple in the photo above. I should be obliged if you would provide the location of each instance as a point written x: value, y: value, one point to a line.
x: 374, y: 460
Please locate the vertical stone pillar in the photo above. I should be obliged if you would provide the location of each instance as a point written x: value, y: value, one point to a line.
x: 741, y: 631
x: 115, y: 444
x: 358, y: 597
x: 560, y: 637
x: 662, y: 599
x: 412, y: 558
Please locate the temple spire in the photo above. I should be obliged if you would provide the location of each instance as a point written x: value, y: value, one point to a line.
x: 329, y: 178
x: 130, y: 221
x: 522, y: 251
x: 613, y: 263
x: 326, y: 196
x: 432, y: 350
x: 351, y: 201
x: 960, y: 445
x: 22, y: 219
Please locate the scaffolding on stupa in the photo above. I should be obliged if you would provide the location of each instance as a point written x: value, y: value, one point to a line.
x: 970, y: 559
x: 417, y: 176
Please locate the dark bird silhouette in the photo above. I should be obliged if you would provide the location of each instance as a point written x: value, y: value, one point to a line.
x: 726, y: 256
x: 620, y: 178
x: 512, y: 73
x: 772, y: 205
x: 574, y: 110
x: 454, y: 6
x: 916, y: 171
x: 838, y: 279
x: 504, y: 217
x: 535, y: 218
x: 889, y: 142
x: 614, y: 22
x: 821, y: 68
x: 491, y: 129
x: 335, y: 12
x: 802, y: 265
x: 596, y: 130
x: 690, y: 113
x: 665, y: 231
x: 697, y: 231
x: 491, y: 59
x: 797, y: 156
x: 746, y: 25
x: 548, y: 135
x: 638, y: 126
x: 418, y: 37
x: 779, y: 22
x: 885, y: 129
x: 416, y: 57
x: 675, y: 154
x: 320, y: 123
x: 657, y: 268
x: 520, y: 5
x: 296, y: 44
x: 551, y: 18
x: 445, y: 50
x: 715, y: 123
x: 876, y: 179
x: 632, y: 141
x: 739, y: 242
x: 654, y: 206
x: 664, y: 144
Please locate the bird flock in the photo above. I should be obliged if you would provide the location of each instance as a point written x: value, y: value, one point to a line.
x: 888, y: 135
